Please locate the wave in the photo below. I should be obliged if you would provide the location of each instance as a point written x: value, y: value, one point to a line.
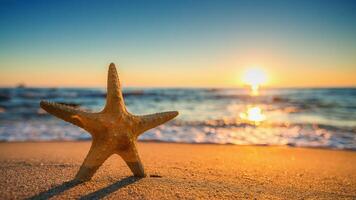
x: 217, y: 132
x: 295, y: 117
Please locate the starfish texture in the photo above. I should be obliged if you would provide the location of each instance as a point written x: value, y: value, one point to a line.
x: 114, y: 130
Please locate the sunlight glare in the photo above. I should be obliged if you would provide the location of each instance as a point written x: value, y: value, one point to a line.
x: 253, y: 114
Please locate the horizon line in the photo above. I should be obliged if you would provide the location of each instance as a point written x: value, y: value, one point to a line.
x: 183, y: 87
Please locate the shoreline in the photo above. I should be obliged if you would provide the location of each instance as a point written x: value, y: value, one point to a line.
x: 201, y: 143
x: 179, y: 170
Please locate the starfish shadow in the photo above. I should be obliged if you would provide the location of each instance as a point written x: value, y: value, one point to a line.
x: 56, y: 190
x: 94, y: 195
x: 111, y: 188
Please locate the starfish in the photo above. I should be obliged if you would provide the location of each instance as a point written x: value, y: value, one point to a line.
x: 114, y: 130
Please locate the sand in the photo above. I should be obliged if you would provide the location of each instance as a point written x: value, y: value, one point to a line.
x: 190, y: 171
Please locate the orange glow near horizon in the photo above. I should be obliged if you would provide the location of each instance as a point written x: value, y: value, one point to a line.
x: 234, y: 75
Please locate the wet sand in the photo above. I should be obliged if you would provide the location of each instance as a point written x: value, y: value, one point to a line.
x: 45, y: 169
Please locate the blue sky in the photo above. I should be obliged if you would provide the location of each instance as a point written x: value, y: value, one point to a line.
x: 177, y: 43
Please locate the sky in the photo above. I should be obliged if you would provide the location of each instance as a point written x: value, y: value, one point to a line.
x: 181, y: 43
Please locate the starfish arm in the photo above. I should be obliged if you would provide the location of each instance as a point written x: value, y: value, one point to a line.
x: 146, y: 122
x: 97, y: 155
x: 133, y: 161
x: 67, y: 113
x: 114, y: 98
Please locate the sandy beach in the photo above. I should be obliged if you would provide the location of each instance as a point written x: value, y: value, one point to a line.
x: 45, y: 169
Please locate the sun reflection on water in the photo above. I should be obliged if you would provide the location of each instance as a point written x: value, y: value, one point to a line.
x: 253, y: 114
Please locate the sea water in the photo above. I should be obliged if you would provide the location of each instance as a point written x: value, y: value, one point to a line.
x: 296, y: 117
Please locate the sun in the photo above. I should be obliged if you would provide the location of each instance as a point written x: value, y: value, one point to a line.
x: 254, y: 77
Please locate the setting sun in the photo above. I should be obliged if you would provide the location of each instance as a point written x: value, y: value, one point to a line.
x: 254, y: 77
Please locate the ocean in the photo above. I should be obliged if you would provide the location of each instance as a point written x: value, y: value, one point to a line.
x: 296, y: 117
